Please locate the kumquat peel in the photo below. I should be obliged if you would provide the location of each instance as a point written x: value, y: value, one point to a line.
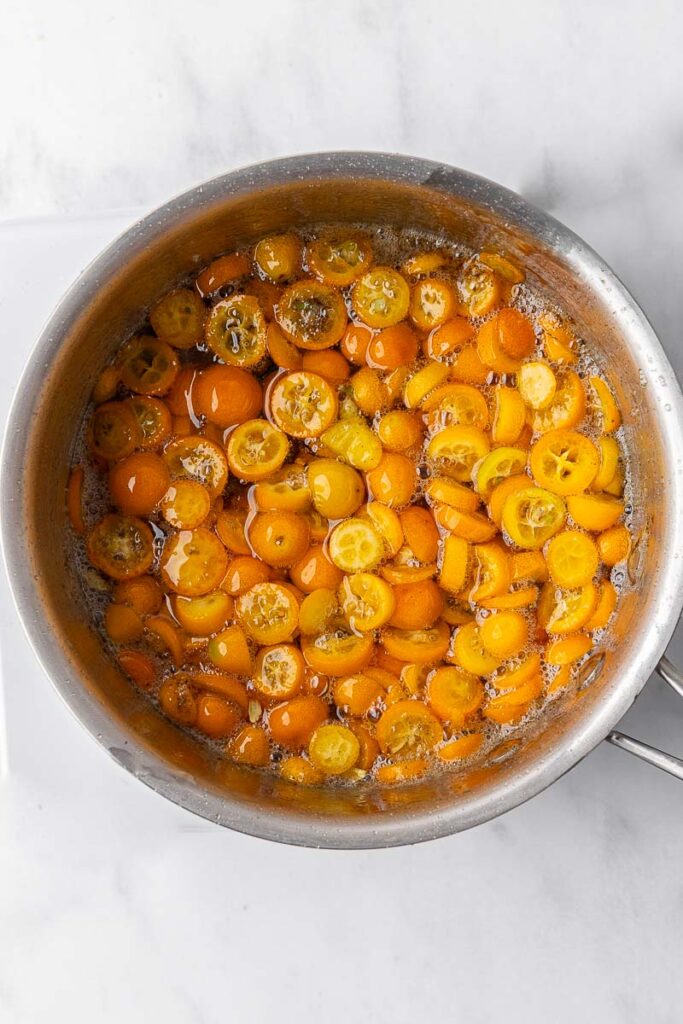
x: 351, y: 511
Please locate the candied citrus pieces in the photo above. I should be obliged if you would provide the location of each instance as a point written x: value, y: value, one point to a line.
x: 368, y: 544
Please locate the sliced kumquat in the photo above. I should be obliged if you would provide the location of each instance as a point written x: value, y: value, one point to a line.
x: 497, y: 466
x: 490, y: 349
x: 168, y: 636
x: 256, y: 449
x: 503, y: 266
x: 537, y: 385
x: 515, y: 333
x: 148, y: 365
x: 106, y: 384
x: 337, y: 653
x: 420, y: 532
x: 532, y: 516
x: 229, y: 651
x: 417, y: 605
x: 595, y: 512
x: 226, y: 395
x: 509, y: 415
x: 178, y: 318
x: 339, y: 259
x: 354, y: 442
x: 567, y: 408
x: 300, y: 771
x: 502, y: 491
x: 572, y: 559
x: 120, y: 546
x: 455, y: 564
x: 444, y: 491
x: 607, y: 603
x: 568, y: 649
x: 573, y: 609
x: 327, y: 363
x: 460, y: 748
x: 222, y: 271
x: 278, y: 257
x: 279, y: 538
x: 193, y: 562
x: 517, y: 677
x: 417, y: 645
x: 293, y: 722
x: 393, y: 347
x: 286, y: 490
x: 470, y: 654
x: 524, y: 597
x: 312, y: 314
x: 432, y: 302
x: 250, y: 746
x: 333, y: 749
x: 142, y: 593
x: 614, y: 545
x: 355, y: 546
x: 467, y: 367
x: 404, y: 570
x: 560, y: 680
x: 336, y: 490
x: 122, y: 624
x: 139, y: 667
x: 479, y: 288
x: 278, y: 672
x: 472, y: 526
x: 558, y: 339
x: 492, y: 571
x: 528, y: 566
x: 186, y: 504
x: 202, y: 616
x: 153, y: 419
x: 423, y: 383
x: 114, y: 432
x: 367, y: 601
x: 269, y: 613
x: 452, y: 404
x: 355, y: 695
x: 408, y: 728
x: 302, y: 404
x: 393, y: 480
x: 564, y: 462
x: 449, y: 337
x: 315, y: 570
x: 369, y: 391
x: 609, y: 461
x: 177, y: 699
x: 281, y: 350
x: 380, y: 297
x: 521, y: 695
x: 355, y: 342
x: 216, y: 717
x: 610, y: 416
x: 387, y: 524
x: 454, y: 695
x: 504, y: 634
x: 456, y: 449
x: 198, y: 458
x: 400, y: 430
x: 231, y: 527
x: 404, y: 771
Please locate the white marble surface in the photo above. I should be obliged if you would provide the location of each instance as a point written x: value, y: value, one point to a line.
x: 115, y: 905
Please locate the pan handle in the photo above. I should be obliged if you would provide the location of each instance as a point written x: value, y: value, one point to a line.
x: 667, y: 762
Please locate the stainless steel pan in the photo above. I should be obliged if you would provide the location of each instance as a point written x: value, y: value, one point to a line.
x: 105, y: 304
